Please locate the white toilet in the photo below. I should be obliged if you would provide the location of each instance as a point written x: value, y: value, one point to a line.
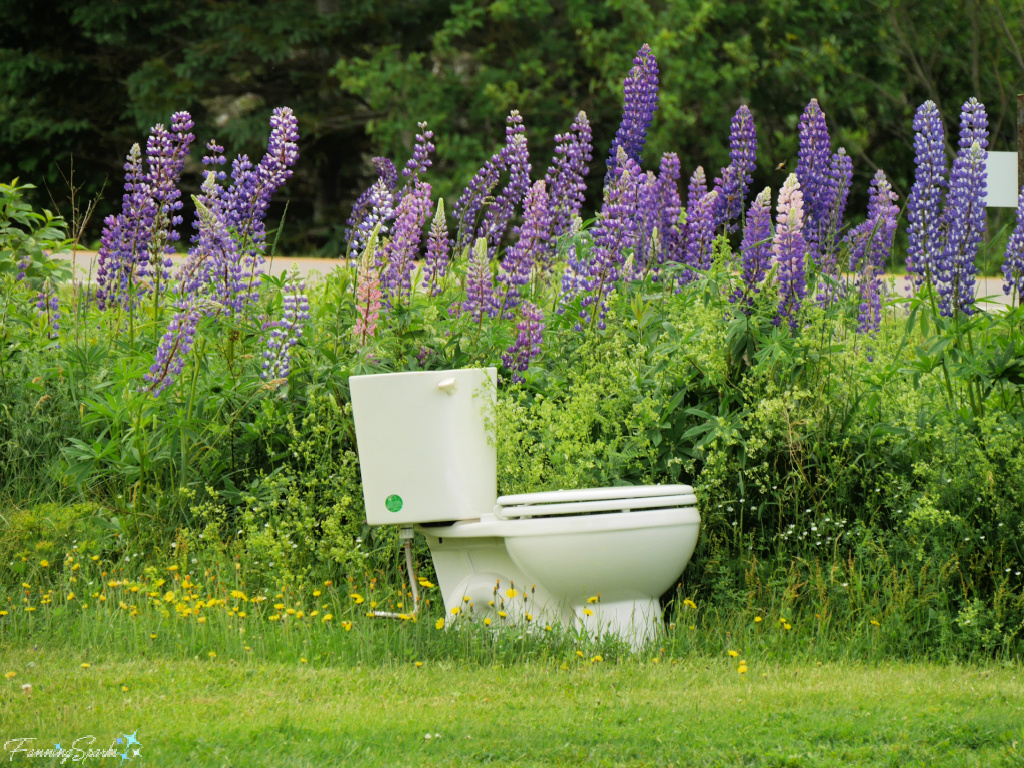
x: 598, y: 558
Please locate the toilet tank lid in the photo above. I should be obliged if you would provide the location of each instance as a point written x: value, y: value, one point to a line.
x: 594, y: 500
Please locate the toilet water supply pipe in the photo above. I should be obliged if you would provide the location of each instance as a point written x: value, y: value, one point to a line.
x: 406, y: 534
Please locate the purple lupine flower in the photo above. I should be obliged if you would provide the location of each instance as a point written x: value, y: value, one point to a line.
x: 925, y: 200
x: 671, y: 232
x: 368, y: 298
x: 614, y: 234
x: 648, y: 217
x: 528, y: 343
x: 284, y: 333
x: 640, y: 102
x: 812, y: 172
x: 736, y: 178
x: 870, y: 245
x: 533, y: 237
x: 789, y: 248
x: 756, y: 250
x: 840, y: 174
x: 697, y: 188
x: 973, y: 125
x: 377, y: 200
x: 516, y: 158
x: 220, y: 273
x: 420, y: 160
x: 471, y: 201
x: 480, y: 301
x: 175, y: 345
x: 48, y: 308
x: 700, y: 237
x: 395, y: 258
x: 136, y: 243
x: 435, y: 266
x: 1013, y: 263
x: 564, y: 179
x: 964, y: 223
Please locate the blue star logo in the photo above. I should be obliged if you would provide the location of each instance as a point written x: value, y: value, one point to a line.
x: 119, y: 740
x: 57, y: 746
x: 131, y: 737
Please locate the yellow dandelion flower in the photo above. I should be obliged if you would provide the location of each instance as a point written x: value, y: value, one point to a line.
x: 465, y: 598
x: 303, y: 660
x: 734, y: 654
x: 201, y: 619
x: 172, y: 568
x: 328, y: 583
x: 327, y: 617
x: 29, y: 608
x: 10, y: 675
x: 587, y: 612
x: 152, y: 636
x: 317, y: 593
x: 782, y: 620
x: 290, y: 611
x: 404, y: 616
x: 425, y: 583
x: 502, y: 614
x: 3, y: 613
x: 124, y: 689
x: 419, y: 664
x: 242, y: 614
x: 44, y: 563
x: 757, y: 619
x: 347, y: 626
x: 547, y: 627
x: 580, y: 654
x: 212, y: 654
x: 278, y: 606
x: 689, y: 603
x: 529, y: 617
x: 314, y: 614
x: 134, y: 588
x: 597, y: 659
x: 456, y: 611
x: 122, y: 605
x: 85, y: 665
x: 94, y: 558
x: 439, y: 623
x: 787, y: 626
x: 71, y: 596
x: 169, y: 597
x: 487, y: 622
x: 26, y: 585
x: 742, y: 669
x: 358, y: 598
x: 593, y: 599
x: 275, y: 617
x: 510, y: 593
x: 875, y: 623
x: 239, y: 595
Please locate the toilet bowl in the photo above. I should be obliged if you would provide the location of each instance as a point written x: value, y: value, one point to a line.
x: 596, y: 559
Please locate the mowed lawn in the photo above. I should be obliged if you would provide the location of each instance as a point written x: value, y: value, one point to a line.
x: 691, y: 712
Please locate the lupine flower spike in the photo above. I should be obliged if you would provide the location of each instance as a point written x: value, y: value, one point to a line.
x: 756, y: 250
x: 640, y: 102
x: 870, y: 245
x: 925, y: 201
x: 790, y: 248
x: 737, y: 176
x: 1013, y: 264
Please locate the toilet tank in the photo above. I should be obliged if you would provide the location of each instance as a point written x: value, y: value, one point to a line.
x: 423, y: 445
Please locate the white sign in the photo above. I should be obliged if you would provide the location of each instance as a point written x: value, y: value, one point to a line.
x: 1002, y: 180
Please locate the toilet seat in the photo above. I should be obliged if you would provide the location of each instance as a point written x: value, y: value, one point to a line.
x: 592, y: 510
x: 591, y: 500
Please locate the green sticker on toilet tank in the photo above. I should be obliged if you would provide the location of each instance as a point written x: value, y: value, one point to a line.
x: 393, y: 503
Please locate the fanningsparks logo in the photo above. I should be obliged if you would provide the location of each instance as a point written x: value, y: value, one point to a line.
x: 126, y: 746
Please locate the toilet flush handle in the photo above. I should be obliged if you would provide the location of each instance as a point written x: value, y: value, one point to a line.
x: 448, y: 386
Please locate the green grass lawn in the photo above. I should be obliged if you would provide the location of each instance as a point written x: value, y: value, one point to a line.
x: 692, y: 712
